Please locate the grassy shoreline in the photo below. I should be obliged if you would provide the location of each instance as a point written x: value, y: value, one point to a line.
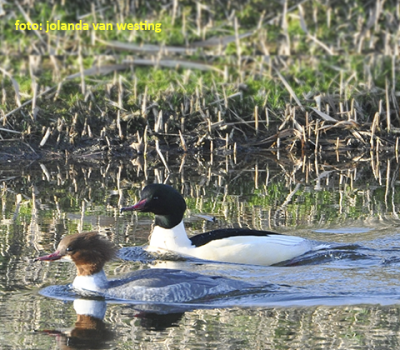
x: 243, y: 78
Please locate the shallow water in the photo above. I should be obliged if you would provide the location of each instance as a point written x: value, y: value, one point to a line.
x: 345, y: 295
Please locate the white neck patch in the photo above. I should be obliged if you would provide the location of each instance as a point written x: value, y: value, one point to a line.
x: 95, y: 283
x: 169, y: 238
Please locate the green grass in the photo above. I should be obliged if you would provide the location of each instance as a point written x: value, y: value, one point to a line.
x: 358, y: 74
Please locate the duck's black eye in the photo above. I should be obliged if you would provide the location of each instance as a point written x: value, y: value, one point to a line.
x: 155, y: 197
x: 69, y: 249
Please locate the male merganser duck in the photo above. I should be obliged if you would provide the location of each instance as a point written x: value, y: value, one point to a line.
x: 90, y: 251
x: 228, y: 245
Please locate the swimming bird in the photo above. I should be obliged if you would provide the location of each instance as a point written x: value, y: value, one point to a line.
x: 234, y: 245
x: 90, y: 251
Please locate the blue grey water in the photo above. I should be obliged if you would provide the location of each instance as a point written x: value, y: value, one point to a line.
x: 343, y: 295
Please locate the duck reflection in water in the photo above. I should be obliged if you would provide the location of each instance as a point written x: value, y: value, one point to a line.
x: 91, y: 332
x: 160, y: 295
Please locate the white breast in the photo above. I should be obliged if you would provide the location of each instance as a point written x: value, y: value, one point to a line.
x: 95, y: 283
x: 172, y: 239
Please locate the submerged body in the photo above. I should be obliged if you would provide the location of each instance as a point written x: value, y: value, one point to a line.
x: 227, y: 245
x: 90, y: 251
x: 162, y: 286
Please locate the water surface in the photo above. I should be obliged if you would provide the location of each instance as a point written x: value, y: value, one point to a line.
x: 345, y: 295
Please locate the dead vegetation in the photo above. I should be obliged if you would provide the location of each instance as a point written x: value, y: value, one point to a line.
x: 301, y: 77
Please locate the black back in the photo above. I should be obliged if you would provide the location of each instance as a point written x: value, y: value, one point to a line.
x: 206, y: 237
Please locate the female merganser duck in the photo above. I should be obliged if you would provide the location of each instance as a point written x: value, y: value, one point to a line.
x: 228, y: 245
x: 90, y: 251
